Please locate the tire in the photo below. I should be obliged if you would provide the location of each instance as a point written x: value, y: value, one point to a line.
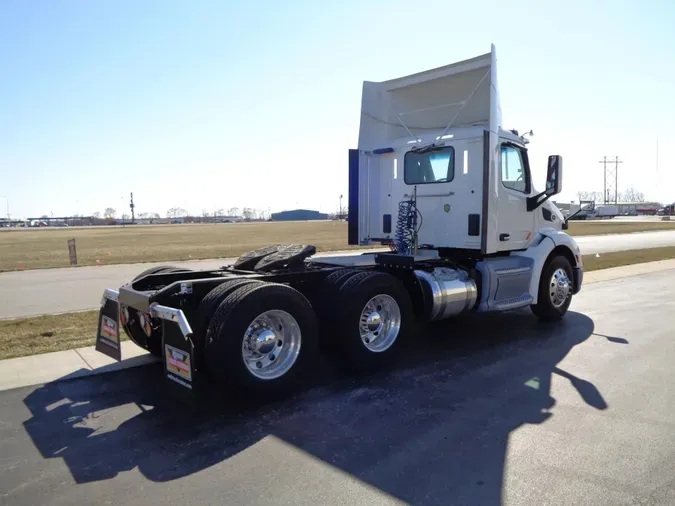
x: 546, y: 309
x: 333, y: 282
x: 326, y: 300
x: 379, y: 291
x: 328, y: 307
x: 209, y: 304
x: 158, y: 269
x: 133, y: 329
x: 225, y: 338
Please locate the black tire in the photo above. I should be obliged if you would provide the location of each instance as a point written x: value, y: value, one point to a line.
x: 225, y: 338
x: 326, y: 299
x: 545, y: 309
x: 158, y: 269
x: 350, y: 301
x: 209, y: 304
x: 336, y: 279
x: 132, y: 327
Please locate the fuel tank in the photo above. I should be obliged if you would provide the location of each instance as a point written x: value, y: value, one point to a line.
x: 447, y: 292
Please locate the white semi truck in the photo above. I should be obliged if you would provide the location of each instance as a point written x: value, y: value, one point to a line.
x: 438, y: 181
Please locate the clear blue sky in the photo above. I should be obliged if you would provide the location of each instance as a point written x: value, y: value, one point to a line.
x: 219, y: 104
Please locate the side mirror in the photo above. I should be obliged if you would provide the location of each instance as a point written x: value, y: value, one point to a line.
x: 553, y: 183
x: 554, y: 175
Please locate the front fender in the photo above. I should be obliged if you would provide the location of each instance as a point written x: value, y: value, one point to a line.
x: 561, y: 238
x: 540, y: 251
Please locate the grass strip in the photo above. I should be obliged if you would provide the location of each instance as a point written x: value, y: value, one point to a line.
x: 43, y: 334
x: 628, y: 257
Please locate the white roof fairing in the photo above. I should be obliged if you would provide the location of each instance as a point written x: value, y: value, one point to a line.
x: 460, y: 95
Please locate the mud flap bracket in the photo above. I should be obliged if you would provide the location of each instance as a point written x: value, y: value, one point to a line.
x: 178, y: 349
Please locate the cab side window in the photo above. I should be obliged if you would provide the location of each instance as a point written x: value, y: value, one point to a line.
x: 514, y: 175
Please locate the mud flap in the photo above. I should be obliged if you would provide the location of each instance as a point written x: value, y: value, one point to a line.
x: 179, y: 359
x: 108, y: 335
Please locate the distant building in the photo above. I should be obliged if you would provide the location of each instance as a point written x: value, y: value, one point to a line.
x: 299, y: 215
x: 623, y: 208
x: 65, y: 221
x: 228, y: 219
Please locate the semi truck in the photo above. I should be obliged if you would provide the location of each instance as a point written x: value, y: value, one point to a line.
x: 438, y: 185
x: 584, y: 210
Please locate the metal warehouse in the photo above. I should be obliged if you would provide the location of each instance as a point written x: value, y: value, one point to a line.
x: 299, y: 215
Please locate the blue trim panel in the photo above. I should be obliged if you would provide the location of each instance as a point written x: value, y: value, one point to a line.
x: 382, y: 151
x: 353, y: 199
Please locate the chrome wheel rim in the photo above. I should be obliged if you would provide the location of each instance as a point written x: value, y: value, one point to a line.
x: 380, y: 323
x: 559, y: 288
x: 271, y: 344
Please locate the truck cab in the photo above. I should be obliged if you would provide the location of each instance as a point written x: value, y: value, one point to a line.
x: 436, y: 175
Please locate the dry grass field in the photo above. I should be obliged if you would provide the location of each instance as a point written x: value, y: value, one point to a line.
x: 43, y: 334
x: 23, y: 249
x: 48, y: 247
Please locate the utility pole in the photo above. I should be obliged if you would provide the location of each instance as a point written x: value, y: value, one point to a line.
x: 657, y: 164
x: 604, y: 184
x: 611, y: 176
x: 131, y: 206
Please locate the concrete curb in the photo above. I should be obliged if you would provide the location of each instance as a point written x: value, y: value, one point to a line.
x: 83, y: 362
x: 68, y: 364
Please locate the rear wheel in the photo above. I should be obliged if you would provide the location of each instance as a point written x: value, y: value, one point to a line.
x: 209, y: 304
x: 326, y: 302
x: 262, y: 340
x: 555, y: 290
x: 375, y: 317
x: 135, y: 325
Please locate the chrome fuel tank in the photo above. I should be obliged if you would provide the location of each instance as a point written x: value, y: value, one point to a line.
x: 447, y: 292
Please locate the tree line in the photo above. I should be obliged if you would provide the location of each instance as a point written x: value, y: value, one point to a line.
x: 629, y: 195
x: 247, y: 213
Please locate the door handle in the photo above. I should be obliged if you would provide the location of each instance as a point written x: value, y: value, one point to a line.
x: 504, y: 237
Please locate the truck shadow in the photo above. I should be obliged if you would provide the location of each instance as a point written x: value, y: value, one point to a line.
x: 434, y: 429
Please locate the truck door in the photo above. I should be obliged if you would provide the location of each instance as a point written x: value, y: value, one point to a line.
x: 515, y: 224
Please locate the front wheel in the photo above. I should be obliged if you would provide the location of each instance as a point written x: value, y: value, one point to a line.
x: 555, y: 290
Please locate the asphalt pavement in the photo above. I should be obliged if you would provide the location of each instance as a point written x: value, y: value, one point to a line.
x: 483, y: 410
x: 48, y: 291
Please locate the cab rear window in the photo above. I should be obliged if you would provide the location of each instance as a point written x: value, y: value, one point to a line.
x: 437, y: 166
